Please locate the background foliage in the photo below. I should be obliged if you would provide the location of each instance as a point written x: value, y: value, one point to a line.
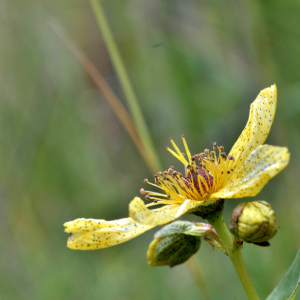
x: 196, y: 66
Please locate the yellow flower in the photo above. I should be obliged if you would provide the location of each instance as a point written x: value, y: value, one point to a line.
x: 242, y: 173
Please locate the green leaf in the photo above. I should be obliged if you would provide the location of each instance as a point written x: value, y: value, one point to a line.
x: 288, y: 286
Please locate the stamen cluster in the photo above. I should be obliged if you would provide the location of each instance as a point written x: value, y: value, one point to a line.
x: 205, y: 173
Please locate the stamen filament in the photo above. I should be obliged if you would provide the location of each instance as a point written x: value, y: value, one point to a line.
x: 155, y: 185
x: 178, y: 151
x: 188, y: 153
x: 181, y: 158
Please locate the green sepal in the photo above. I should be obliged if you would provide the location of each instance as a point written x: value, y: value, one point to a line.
x: 185, y: 227
x: 289, y: 285
x: 215, y: 245
x: 208, y: 210
x: 174, y: 228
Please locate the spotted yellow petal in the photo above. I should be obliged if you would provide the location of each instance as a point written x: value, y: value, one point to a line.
x: 90, y: 234
x: 262, y: 112
x: 140, y: 213
x: 261, y: 165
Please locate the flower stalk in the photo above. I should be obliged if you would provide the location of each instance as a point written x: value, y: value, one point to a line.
x: 234, y: 252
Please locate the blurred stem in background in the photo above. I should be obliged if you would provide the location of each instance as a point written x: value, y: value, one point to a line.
x: 126, y: 85
x: 195, y: 269
x: 108, y: 93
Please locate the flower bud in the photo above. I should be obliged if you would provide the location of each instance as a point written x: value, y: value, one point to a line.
x: 172, y: 250
x: 254, y: 222
x: 171, y: 246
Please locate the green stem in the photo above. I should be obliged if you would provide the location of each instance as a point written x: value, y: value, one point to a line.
x: 118, y: 64
x: 234, y: 252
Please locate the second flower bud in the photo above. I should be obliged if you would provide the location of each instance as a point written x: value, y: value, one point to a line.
x: 254, y: 222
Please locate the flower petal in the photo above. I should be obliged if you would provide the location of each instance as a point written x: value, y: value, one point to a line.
x: 90, y: 234
x: 182, y: 208
x: 262, y: 112
x: 166, y: 214
x: 261, y: 165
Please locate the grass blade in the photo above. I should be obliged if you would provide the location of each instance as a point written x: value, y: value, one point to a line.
x: 109, y: 95
x: 125, y: 82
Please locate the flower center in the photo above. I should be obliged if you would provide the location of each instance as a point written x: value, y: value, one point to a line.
x: 199, y: 181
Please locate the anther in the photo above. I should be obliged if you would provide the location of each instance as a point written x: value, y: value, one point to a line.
x: 159, y: 173
x: 212, y: 160
x: 214, y: 144
x: 206, y: 151
x: 154, y: 201
x: 193, y: 158
x: 142, y: 191
x: 175, y: 173
x: 223, y: 154
x: 145, y: 180
x: 147, y: 197
x: 230, y: 157
x: 211, y: 152
x: 165, y: 173
x: 170, y: 171
x: 201, y: 155
x: 221, y: 148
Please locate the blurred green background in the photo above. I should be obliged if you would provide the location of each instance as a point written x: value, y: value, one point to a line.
x: 195, y: 66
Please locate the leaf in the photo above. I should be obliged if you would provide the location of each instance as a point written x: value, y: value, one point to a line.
x: 288, y: 286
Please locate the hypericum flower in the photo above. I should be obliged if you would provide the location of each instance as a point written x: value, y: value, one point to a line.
x: 208, y: 176
x: 242, y: 173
